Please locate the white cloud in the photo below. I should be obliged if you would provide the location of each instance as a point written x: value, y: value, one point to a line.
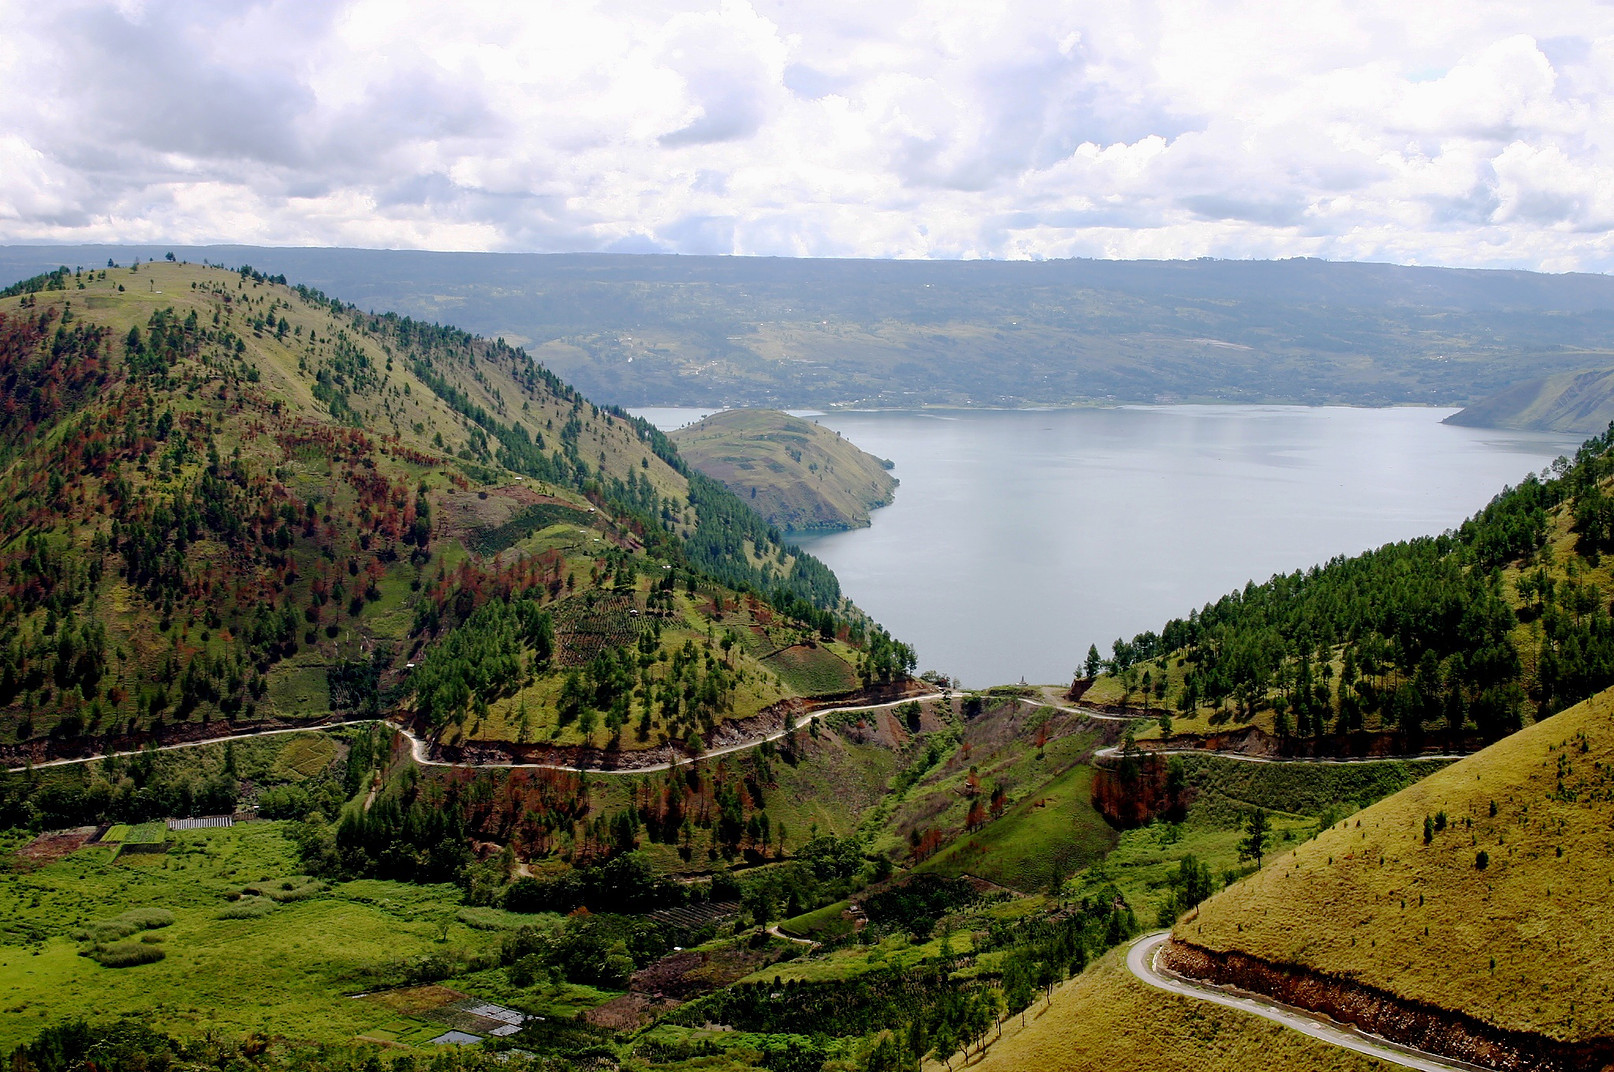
x: 1441, y: 132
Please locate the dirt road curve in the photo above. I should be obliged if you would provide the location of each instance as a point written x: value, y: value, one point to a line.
x: 1141, y: 960
x: 777, y: 933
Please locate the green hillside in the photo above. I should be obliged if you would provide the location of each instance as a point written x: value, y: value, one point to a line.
x: 1442, y: 642
x: 798, y: 475
x: 226, y: 498
x: 1480, y: 889
x: 1566, y: 402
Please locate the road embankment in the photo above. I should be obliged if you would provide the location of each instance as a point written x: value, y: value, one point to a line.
x: 1457, y: 1039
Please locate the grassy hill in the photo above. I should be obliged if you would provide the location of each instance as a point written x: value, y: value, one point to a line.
x: 1479, y: 889
x: 1566, y: 402
x: 1106, y: 1018
x: 228, y: 498
x: 798, y: 475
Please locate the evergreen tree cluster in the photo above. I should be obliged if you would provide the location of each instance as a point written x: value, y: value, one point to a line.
x: 1423, y: 633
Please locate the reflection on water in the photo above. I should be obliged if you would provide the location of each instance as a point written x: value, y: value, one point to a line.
x: 1018, y: 538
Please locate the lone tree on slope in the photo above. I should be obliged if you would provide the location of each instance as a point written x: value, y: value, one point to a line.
x: 1254, y: 845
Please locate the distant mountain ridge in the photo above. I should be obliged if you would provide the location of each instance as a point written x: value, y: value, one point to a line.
x: 770, y: 332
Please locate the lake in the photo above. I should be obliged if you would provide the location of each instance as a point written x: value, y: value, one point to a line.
x: 1020, y: 537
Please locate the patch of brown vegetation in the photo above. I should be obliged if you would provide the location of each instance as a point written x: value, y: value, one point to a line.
x: 1136, y: 790
x: 53, y: 845
x: 415, y: 1000
x: 674, y: 979
x: 628, y: 1012
x: 466, y: 512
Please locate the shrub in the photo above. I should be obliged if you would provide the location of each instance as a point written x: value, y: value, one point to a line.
x: 124, y: 954
x: 149, y: 919
x: 122, y: 926
x: 1482, y: 860
x: 247, y: 908
x: 287, y: 893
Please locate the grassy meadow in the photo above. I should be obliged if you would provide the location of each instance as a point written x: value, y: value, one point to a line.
x: 279, y: 962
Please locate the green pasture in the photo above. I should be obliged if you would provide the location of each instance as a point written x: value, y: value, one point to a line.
x: 289, y: 967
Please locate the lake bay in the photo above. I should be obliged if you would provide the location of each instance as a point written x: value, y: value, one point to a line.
x: 1020, y: 537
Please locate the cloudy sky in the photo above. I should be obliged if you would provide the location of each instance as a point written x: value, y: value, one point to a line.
x: 1431, y: 132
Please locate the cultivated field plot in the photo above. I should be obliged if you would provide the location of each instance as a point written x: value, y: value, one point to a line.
x: 204, y: 822
x: 147, y: 837
x: 525, y: 522
x: 589, y: 624
x: 55, y: 844
x: 427, y: 1010
x: 813, y: 671
x: 698, y: 915
x: 305, y: 756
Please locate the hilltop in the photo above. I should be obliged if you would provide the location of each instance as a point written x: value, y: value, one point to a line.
x: 797, y: 474
x: 1566, y: 402
x: 761, y: 331
x: 231, y: 500
x: 1464, y: 912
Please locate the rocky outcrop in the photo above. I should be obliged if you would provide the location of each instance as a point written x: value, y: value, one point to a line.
x: 1409, y: 1023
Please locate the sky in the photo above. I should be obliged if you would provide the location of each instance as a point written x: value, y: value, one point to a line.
x: 1431, y: 132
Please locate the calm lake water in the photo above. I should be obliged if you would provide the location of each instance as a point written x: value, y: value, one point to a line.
x: 1018, y: 538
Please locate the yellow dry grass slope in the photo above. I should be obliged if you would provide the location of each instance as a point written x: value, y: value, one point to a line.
x: 1106, y: 1019
x: 1502, y: 913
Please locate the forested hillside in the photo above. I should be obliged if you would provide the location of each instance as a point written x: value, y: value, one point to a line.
x: 223, y: 497
x: 1502, y: 620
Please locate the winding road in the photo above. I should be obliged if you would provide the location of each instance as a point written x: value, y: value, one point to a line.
x: 1141, y: 959
x: 421, y: 747
x: 1114, y: 752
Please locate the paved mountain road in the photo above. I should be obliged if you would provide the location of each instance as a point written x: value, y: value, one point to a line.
x: 1114, y: 752
x: 1140, y: 958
